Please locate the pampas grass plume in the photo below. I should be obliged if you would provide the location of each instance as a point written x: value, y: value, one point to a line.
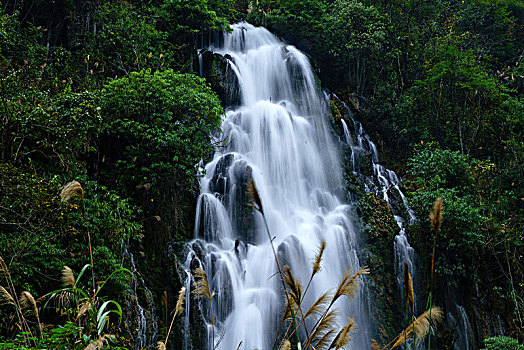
x: 255, y: 196
x: 318, y: 257
x: 421, y: 326
x: 408, y: 289
x: 180, y: 302
x: 343, y: 337
x: 160, y: 345
x: 5, y: 297
x: 68, y: 277
x: 374, y: 345
x: 436, y: 215
x: 201, y: 285
x: 70, y: 190
x: 285, y: 345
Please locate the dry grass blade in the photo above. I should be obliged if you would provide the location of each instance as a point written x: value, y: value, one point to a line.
x: 255, y: 196
x: 70, y: 190
x: 349, y: 285
x: 436, y: 215
x: 100, y: 342
x: 5, y: 297
x: 201, y: 285
x: 285, y: 345
x: 68, y: 277
x: 318, y: 258
x: 295, y: 287
x: 180, y: 302
x: 421, y: 325
x: 160, y: 346
x: 319, y: 306
x: 374, y: 345
x: 408, y: 289
x: 343, y: 337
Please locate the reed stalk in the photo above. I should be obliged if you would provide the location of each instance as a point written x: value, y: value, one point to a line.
x: 257, y: 205
x: 435, y: 217
x: 74, y: 189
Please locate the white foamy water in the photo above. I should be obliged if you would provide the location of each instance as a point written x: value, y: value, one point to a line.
x: 280, y: 137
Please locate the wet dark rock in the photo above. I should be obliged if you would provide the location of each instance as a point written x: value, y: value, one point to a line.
x: 219, y: 181
x: 244, y: 214
x: 223, y: 80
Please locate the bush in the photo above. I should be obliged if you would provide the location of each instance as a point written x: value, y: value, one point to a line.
x: 502, y: 343
x: 157, y: 129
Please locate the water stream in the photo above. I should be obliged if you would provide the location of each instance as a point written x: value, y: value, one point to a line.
x: 386, y: 184
x: 280, y: 137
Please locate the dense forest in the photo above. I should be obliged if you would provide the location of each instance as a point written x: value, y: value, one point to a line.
x: 105, y: 120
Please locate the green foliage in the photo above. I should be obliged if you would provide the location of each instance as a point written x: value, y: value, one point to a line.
x: 162, y: 121
x: 355, y: 32
x: 502, y: 343
x: 450, y: 175
x: 40, y: 233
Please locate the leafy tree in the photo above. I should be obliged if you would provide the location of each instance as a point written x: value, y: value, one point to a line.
x: 355, y: 32
x: 157, y: 128
x: 450, y: 175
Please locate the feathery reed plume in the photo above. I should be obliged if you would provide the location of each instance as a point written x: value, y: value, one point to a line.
x: 374, y: 345
x: 295, y: 288
x: 421, y: 326
x: 349, y: 285
x: 100, y: 342
x: 436, y: 221
x: 343, y: 337
x: 5, y: 297
x: 285, y: 345
x: 160, y: 346
x: 74, y: 189
x: 27, y: 302
x: 326, y: 324
x: 436, y: 215
x: 201, y: 285
x: 319, y: 306
x: 202, y: 290
x: 68, y: 277
x: 70, y: 190
x: 178, y: 309
x: 180, y: 302
x: 316, y: 264
x: 318, y: 258
x: 291, y: 307
x: 325, y: 340
x: 408, y: 289
x: 255, y: 196
x: 4, y: 271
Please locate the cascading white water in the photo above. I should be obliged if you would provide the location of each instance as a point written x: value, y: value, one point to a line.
x: 385, y: 183
x: 279, y: 136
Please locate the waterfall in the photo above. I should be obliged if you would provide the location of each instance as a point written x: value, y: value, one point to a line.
x: 386, y: 184
x: 280, y: 137
x: 146, y: 320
